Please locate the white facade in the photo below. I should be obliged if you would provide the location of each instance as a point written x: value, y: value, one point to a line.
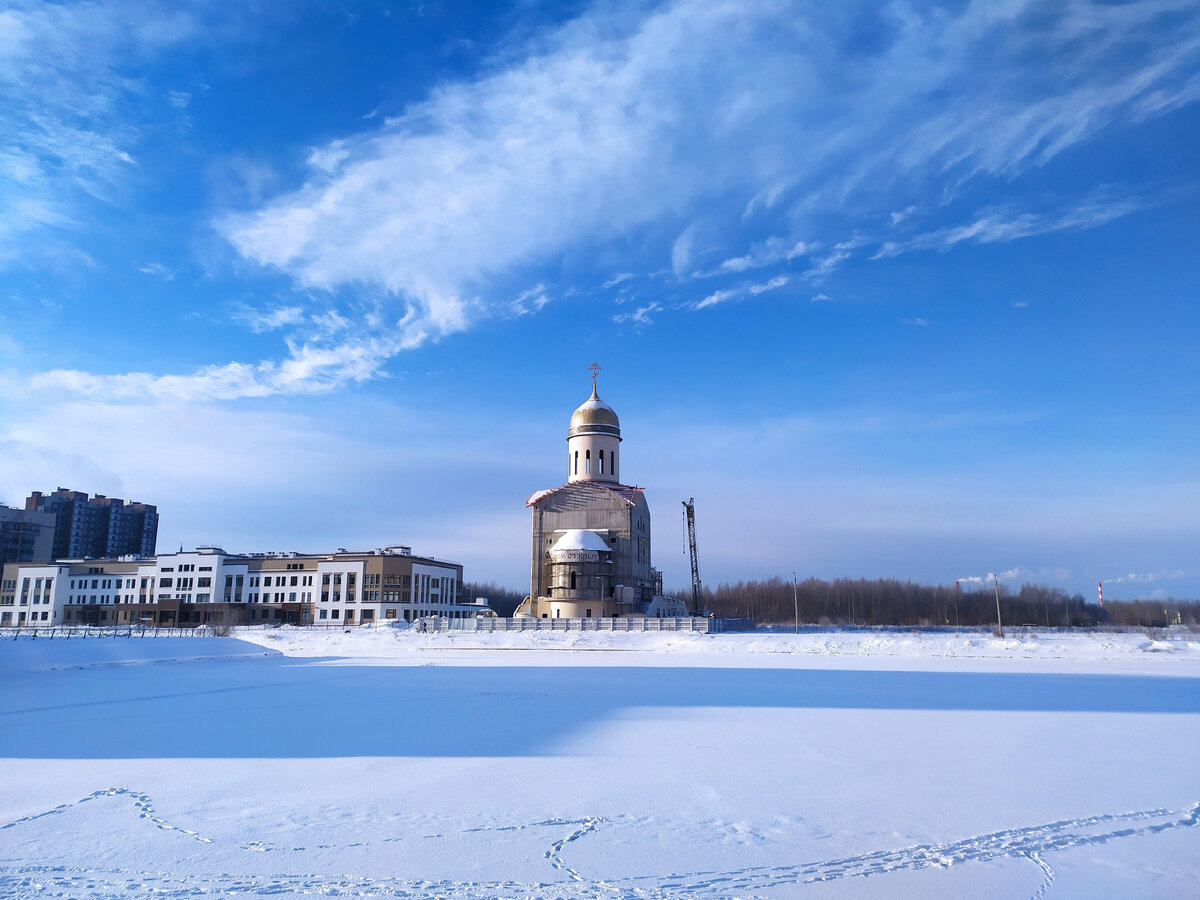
x: 186, y: 587
x: 34, y: 597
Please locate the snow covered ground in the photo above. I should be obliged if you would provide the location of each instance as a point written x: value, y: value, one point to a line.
x: 384, y: 763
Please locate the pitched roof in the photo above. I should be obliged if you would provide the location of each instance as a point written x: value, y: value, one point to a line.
x: 630, y: 494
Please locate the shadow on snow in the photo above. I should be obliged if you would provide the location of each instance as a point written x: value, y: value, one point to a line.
x: 275, y: 707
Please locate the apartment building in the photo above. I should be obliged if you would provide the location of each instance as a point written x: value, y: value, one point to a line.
x: 96, y: 526
x: 209, y: 585
x: 26, y: 535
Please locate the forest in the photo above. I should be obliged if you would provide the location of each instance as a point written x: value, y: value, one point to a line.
x: 891, y: 601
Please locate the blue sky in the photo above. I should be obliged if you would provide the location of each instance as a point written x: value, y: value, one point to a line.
x: 891, y: 290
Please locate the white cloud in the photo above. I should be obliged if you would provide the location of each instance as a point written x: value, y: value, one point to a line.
x: 1148, y: 577
x: 918, y: 322
x: 307, y: 369
x: 777, y: 282
x: 262, y: 320
x: 628, y: 119
x: 772, y: 250
x: 640, y: 316
x: 734, y: 293
x: 65, y: 104
x: 530, y: 301
x: 717, y: 297
x: 821, y: 298
x: 828, y: 264
x: 681, y: 251
x: 617, y: 279
x: 158, y: 270
x: 1002, y: 225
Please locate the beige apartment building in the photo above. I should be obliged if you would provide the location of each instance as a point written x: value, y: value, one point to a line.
x: 209, y: 585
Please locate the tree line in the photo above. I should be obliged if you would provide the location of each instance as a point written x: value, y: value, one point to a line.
x: 501, y: 599
x: 891, y: 601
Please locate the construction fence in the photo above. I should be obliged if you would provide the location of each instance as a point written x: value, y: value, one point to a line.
x: 634, y: 624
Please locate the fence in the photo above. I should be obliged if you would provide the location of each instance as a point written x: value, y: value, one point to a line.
x: 65, y: 632
x: 633, y: 624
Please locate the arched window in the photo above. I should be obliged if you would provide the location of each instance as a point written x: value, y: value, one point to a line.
x: 612, y: 462
x: 600, y: 459
x: 587, y: 462
x: 572, y: 581
x: 576, y: 462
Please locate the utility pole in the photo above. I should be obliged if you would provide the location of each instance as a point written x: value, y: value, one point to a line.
x: 796, y: 602
x: 956, y: 593
x: 999, y: 624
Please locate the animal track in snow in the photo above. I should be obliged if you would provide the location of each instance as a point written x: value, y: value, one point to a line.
x: 1032, y: 843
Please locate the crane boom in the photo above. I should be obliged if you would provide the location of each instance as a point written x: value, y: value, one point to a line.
x: 689, y: 507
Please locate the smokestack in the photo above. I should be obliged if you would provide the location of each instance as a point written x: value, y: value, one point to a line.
x: 1100, y: 591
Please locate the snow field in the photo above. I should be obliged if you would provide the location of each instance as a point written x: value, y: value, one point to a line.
x: 404, y: 765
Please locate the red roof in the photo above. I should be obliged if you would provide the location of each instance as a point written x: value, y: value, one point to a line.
x: 627, y: 492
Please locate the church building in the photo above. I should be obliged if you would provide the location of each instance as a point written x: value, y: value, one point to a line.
x: 591, y: 536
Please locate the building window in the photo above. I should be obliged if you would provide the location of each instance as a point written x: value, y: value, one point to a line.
x: 389, y: 614
x: 324, y: 614
x: 600, y: 460
x: 572, y: 581
x: 576, y: 462
x: 612, y: 462
x: 587, y: 462
x: 336, y: 613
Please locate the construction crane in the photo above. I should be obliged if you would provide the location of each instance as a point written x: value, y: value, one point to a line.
x: 689, y: 507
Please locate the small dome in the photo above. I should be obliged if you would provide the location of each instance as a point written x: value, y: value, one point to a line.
x: 581, y: 539
x: 594, y: 416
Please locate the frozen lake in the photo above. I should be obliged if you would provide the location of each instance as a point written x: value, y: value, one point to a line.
x: 397, y: 765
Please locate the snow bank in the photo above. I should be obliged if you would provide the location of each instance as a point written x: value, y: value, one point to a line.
x: 26, y: 652
x: 758, y: 649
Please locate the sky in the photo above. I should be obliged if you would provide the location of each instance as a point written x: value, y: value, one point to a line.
x: 892, y: 290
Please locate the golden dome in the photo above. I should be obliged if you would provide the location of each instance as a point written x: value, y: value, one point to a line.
x: 594, y: 416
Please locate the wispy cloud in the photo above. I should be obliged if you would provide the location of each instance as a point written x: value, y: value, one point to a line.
x: 1147, y: 577
x: 736, y: 293
x: 829, y: 262
x: 307, y: 369
x: 628, y: 125
x: 629, y: 119
x: 66, y: 110
x: 619, y: 278
x: 158, y: 270
x: 777, y: 282
x: 263, y: 320
x: 530, y: 301
x: 1003, y: 225
x: 770, y: 251
x: 640, y: 316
